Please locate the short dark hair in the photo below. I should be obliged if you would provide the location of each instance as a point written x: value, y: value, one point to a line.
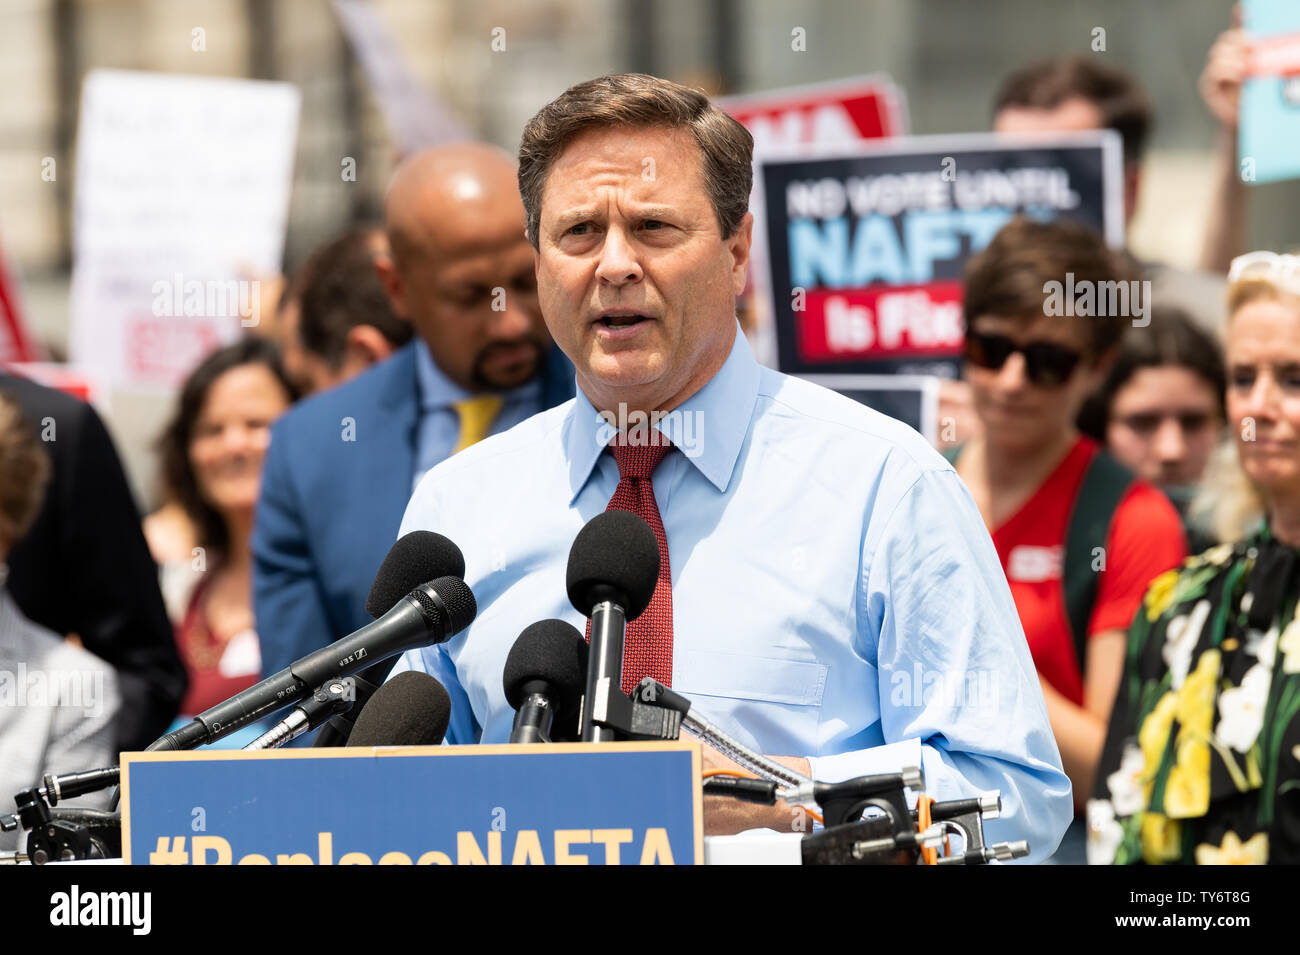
x: 1119, y: 98
x: 1008, y: 277
x: 179, y: 482
x: 24, y: 471
x: 635, y: 100
x: 337, y: 290
x: 1172, y: 339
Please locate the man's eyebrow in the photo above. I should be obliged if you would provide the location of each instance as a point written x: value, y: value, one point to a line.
x: 655, y: 212
x: 566, y: 220
x: 571, y: 218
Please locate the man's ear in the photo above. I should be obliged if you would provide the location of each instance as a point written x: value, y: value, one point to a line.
x: 365, y: 346
x: 386, y: 269
x: 739, y: 246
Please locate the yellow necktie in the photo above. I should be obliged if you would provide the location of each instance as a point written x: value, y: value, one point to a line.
x: 476, y: 417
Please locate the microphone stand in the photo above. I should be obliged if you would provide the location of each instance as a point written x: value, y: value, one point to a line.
x: 604, y: 672
x: 330, y: 699
x: 61, y: 835
x: 652, y: 711
x: 74, y: 833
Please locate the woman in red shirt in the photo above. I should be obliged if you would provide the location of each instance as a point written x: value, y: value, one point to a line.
x: 212, y: 465
x: 1030, y: 369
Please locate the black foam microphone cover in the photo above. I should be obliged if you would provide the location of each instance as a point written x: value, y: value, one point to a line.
x: 415, y: 558
x: 614, y: 557
x: 553, y: 653
x: 411, y: 709
x: 456, y: 597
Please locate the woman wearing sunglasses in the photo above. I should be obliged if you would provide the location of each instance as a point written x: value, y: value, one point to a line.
x: 1202, y: 761
x: 1078, y: 536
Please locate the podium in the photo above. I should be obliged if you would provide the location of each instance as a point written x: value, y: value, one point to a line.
x: 562, y: 804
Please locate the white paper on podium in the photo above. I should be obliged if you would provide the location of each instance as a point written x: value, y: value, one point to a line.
x: 754, y: 847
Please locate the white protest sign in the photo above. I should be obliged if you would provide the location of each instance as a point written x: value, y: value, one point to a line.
x: 182, y: 195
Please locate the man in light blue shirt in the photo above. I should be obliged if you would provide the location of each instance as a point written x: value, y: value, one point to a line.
x: 835, y: 594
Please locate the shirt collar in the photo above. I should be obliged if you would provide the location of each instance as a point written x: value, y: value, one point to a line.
x: 437, y: 391
x: 708, y: 428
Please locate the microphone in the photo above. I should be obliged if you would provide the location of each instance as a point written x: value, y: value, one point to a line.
x: 411, y: 709
x: 430, y: 613
x: 545, y: 674
x: 413, y: 559
x: 69, y: 785
x: 613, y: 569
x: 333, y: 698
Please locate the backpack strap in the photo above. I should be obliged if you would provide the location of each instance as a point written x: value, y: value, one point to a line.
x: 1104, y: 485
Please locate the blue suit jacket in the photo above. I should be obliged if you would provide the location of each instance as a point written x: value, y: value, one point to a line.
x: 334, y: 487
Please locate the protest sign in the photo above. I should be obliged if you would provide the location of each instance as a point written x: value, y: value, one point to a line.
x: 866, y: 247
x: 182, y: 197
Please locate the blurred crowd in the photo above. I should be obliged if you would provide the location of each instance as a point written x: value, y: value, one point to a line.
x: 1137, y: 482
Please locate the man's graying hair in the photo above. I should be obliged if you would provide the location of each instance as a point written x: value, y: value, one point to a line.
x: 636, y: 101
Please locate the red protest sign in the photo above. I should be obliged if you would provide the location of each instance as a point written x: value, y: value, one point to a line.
x: 852, y: 110
x: 16, y: 343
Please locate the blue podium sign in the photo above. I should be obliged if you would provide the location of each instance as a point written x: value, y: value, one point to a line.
x: 564, y: 804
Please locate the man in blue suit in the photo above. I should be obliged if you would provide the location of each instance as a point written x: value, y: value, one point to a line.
x: 343, y: 463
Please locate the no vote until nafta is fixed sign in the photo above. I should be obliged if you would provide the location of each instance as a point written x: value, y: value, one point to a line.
x: 565, y: 804
x: 866, y: 245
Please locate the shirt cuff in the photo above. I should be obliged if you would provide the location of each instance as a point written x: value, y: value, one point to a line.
x: 889, y: 758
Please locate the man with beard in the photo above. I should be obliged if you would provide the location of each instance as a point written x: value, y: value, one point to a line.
x: 342, y: 464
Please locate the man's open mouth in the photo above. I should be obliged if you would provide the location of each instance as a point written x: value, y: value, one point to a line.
x: 622, y: 320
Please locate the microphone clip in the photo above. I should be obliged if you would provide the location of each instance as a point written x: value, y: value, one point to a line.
x: 643, y: 714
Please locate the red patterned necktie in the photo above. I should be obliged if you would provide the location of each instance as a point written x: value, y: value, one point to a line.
x: 648, y: 640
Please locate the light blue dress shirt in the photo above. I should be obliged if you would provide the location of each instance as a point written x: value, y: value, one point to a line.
x: 439, y: 428
x: 835, y: 592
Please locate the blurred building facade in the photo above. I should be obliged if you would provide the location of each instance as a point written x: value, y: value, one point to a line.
x: 495, y: 62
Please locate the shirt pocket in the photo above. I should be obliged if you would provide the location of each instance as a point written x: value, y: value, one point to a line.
x: 770, y: 704
x: 745, y: 677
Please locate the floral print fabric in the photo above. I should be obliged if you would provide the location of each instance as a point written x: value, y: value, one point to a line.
x: 1202, y: 759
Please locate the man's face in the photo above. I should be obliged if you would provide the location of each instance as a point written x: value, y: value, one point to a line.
x: 292, y: 353
x: 636, y: 281
x: 1072, y: 115
x: 308, y: 372
x: 472, y: 296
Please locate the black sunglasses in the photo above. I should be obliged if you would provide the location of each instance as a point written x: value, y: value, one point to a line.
x: 1046, y: 365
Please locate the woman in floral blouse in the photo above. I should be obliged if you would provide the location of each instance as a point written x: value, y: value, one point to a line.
x: 1202, y: 760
